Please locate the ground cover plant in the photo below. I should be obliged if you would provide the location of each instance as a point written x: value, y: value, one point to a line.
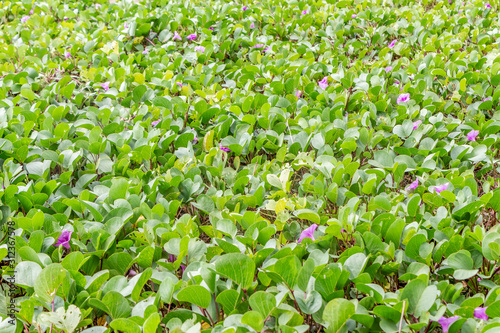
x: 273, y: 166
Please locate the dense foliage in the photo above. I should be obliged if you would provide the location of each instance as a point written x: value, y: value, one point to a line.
x: 279, y: 166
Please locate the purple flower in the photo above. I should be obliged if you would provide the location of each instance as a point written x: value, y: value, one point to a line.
x: 446, y: 322
x: 252, y: 25
x: 413, y: 185
x: 64, y: 239
x: 480, y: 313
x: 323, y: 84
x: 391, y: 44
x: 97, y: 6
x: 353, y: 16
x: 176, y: 36
x: 441, y: 188
x: 31, y: 11
x: 449, y: 1
x: 304, y: 12
x: 479, y: 279
x: 25, y: 19
x: 308, y: 233
x: 179, y: 84
x: 145, y: 51
x: 342, y: 231
x: 227, y: 150
x: 486, y: 99
x: 298, y: 94
x: 125, y: 26
x: 403, y: 98
x: 105, y: 86
x: 487, y: 5
x: 416, y: 123
x: 199, y: 48
x: 172, y: 258
x: 258, y: 46
x: 192, y: 36
x: 154, y: 123
x: 67, y: 54
x: 195, y: 140
x: 388, y: 69
x: 211, y: 28
x: 471, y: 136
x: 244, y: 8
x: 396, y: 81
x: 266, y: 49
x: 132, y: 273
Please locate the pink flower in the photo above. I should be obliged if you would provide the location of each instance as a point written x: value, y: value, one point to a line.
x: 25, y: 19
x: 413, y: 185
x: 211, y: 28
x: 125, y: 26
x: 192, y: 36
x: 179, y: 84
x: 132, y: 273
x: 195, y: 140
x: 342, y: 231
x: 31, y: 11
x: 199, y: 48
x: 416, y: 123
x: 105, y: 86
x: 486, y: 99
x: 252, y: 25
x: 353, y: 16
x: 176, y: 36
x: 97, y: 6
x: 244, y: 8
x: 391, y: 44
x: 67, y: 54
x: 388, y: 69
x: 308, y: 233
x: 396, y: 81
x: 446, y: 322
x: 145, y: 51
x: 471, y: 136
x: 154, y: 123
x: 64, y: 239
x: 323, y: 84
x: 403, y: 98
x: 298, y: 94
x: 266, y: 49
x: 487, y: 5
x: 441, y: 188
x: 226, y: 149
x: 480, y: 313
x: 258, y: 46
x: 304, y: 12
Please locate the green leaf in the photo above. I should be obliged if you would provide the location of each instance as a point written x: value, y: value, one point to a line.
x: 253, y: 319
x: 237, y: 267
x: 336, y: 314
x: 263, y: 302
x: 307, y: 214
x: 197, y: 295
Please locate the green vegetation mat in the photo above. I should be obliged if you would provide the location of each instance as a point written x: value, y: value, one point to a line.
x: 273, y: 166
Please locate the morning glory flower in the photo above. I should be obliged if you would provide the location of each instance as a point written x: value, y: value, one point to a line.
x: 416, y: 123
x: 199, y: 48
x: 97, y: 6
x: 154, y: 123
x: 446, y: 322
x: 323, y: 84
x: 391, y: 44
x: 266, y: 49
x: 441, y: 188
x: 31, y: 11
x: 195, y: 140
x: 125, y: 26
x: 342, y: 231
x: 67, y: 54
x: 353, y: 16
x: 192, y: 36
x: 145, y: 51
x: 64, y: 239
x: 388, y: 69
x: 176, y: 36
x: 403, y: 98
x: 25, y: 19
x: 486, y: 99
x: 396, y: 81
x: 258, y: 45
x: 487, y: 5
x: 245, y: 8
x: 226, y: 149
x: 308, y: 233
x: 413, y: 185
x: 252, y: 25
x: 211, y: 28
x: 298, y: 94
x: 304, y: 12
x: 105, y: 86
x: 480, y: 313
x: 132, y: 273
x: 179, y: 84
x: 471, y: 136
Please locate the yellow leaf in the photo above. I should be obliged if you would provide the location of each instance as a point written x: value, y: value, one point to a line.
x: 139, y: 78
x: 101, y: 321
x: 205, y: 326
x: 280, y: 205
